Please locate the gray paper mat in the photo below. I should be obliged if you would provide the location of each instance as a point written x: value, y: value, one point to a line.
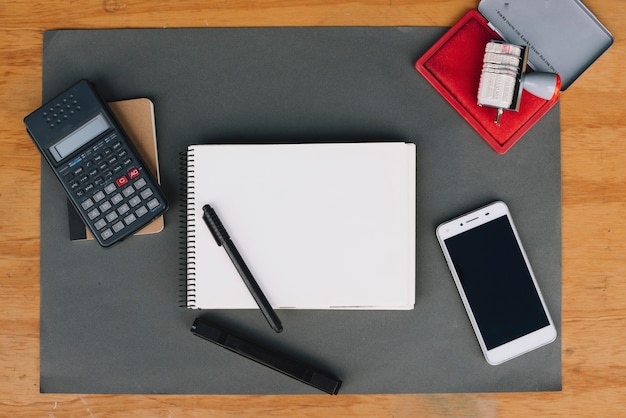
x: 110, y: 321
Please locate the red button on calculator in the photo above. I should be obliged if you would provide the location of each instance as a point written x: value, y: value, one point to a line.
x: 121, y: 181
x: 133, y: 173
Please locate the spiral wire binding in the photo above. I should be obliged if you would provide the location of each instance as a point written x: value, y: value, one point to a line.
x: 188, y: 231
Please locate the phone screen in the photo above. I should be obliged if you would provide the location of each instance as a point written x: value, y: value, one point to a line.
x: 497, y: 283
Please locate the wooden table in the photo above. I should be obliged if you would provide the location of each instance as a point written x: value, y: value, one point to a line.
x: 593, y: 138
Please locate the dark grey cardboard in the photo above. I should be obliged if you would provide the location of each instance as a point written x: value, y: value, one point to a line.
x: 110, y: 318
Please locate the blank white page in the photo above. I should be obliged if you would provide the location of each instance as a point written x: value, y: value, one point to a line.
x: 320, y: 226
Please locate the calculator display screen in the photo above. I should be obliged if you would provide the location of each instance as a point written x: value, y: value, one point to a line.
x: 79, y: 137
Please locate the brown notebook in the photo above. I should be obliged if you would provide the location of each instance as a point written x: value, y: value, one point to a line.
x: 137, y: 119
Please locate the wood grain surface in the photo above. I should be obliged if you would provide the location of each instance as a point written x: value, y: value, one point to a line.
x: 593, y: 115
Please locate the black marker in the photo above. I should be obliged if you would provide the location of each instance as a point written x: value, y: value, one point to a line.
x: 266, y: 356
x: 223, y: 239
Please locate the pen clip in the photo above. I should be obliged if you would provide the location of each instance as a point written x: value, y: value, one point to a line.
x: 215, y: 225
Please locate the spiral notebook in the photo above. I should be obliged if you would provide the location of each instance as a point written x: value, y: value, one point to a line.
x: 321, y: 226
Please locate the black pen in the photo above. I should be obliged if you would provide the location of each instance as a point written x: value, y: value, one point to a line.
x: 223, y: 239
x: 267, y: 356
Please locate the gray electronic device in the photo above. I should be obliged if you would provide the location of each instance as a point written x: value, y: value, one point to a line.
x: 496, y: 283
x: 101, y: 172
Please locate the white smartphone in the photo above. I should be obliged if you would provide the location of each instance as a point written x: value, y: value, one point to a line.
x: 496, y: 283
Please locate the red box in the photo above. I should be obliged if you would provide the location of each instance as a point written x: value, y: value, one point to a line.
x: 453, y: 66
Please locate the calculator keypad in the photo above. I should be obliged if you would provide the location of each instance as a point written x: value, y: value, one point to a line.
x: 111, y: 188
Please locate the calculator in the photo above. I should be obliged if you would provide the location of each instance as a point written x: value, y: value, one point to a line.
x: 101, y: 171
